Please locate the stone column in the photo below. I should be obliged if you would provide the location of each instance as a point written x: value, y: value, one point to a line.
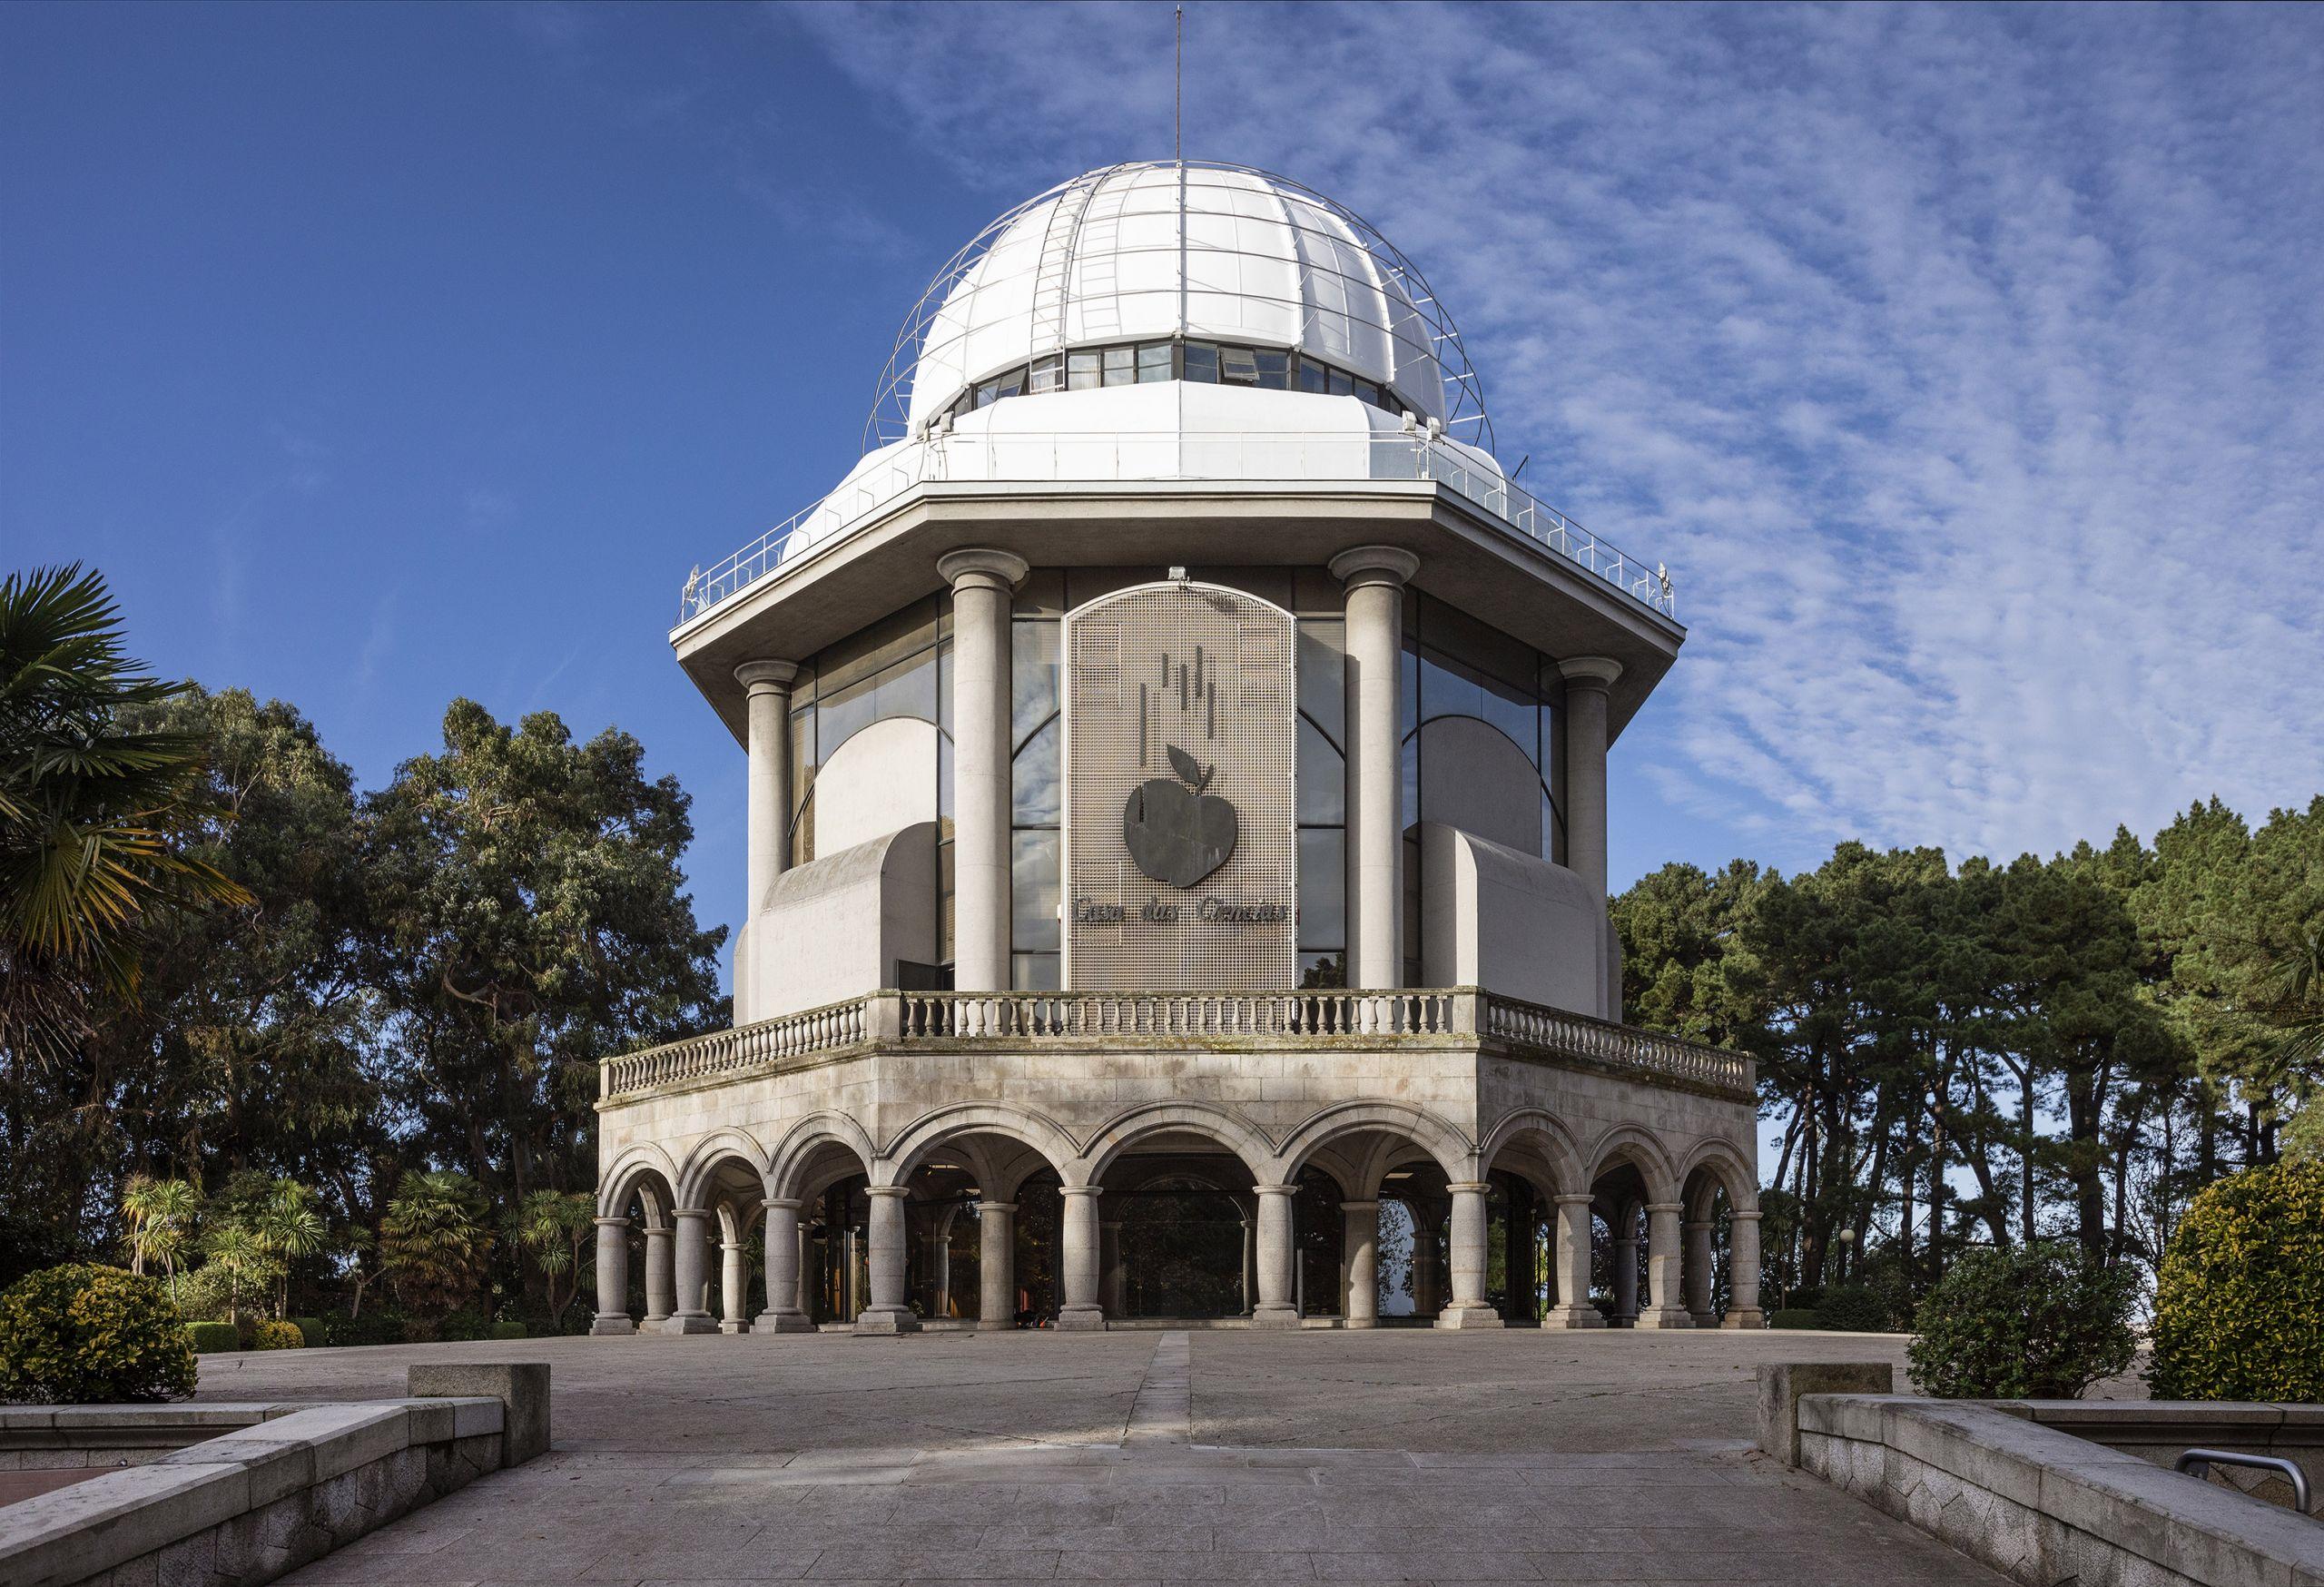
x: 1467, y: 1308
x: 1360, y: 1234
x: 768, y: 831
x: 1113, y: 1284
x: 981, y: 583
x: 1080, y: 1310
x: 661, y: 1293
x: 997, y: 1265
x: 613, y: 1277
x: 1573, y: 1309
x: 1250, y: 1263
x: 1424, y: 1292
x: 1275, y: 1308
x: 1587, y: 679
x: 1626, y: 1264
x: 734, y: 1288
x: 888, y: 1313
x: 783, y: 1313
x: 1743, y: 1272
x: 693, y: 1250
x: 809, y: 1280
x: 1663, y: 1266
x: 1374, y: 579
x: 1694, y: 1282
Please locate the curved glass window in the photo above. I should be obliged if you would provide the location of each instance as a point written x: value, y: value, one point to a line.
x: 1320, y: 782
x: 1035, y: 804
x: 1085, y: 368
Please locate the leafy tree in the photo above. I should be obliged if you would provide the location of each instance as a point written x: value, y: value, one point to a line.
x: 290, y: 1226
x: 2238, y: 1306
x: 2037, y: 1321
x: 235, y: 1254
x: 161, y: 1214
x: 433, y: 1243
x: 552, y: 1225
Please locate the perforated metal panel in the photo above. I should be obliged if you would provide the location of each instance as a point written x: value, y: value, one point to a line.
x: 1207, y: 672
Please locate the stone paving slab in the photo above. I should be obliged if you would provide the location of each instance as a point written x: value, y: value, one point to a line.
x: 1196, y: 1457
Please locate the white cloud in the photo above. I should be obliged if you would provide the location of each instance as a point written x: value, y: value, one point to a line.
x: 1963, y: 364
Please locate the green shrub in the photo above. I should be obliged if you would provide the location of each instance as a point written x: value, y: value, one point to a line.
x: 311, y: 1329
x: 1792, y: 1316
x: 201, y: 1295
x: 1854, y: 1308
x: 508, y: 1329
x: 371, y: 1329
x: 82, y: 1335
x: 2030, y: 1322
x: 466, y: 1323
x: 210, y: 1337
x: 2239, y: 1303
x: 272, y: 1335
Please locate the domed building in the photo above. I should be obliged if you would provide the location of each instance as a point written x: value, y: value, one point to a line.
x: 1177, y: 878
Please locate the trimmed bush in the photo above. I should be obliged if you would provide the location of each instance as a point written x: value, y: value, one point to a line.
x: 370, y: 1328
x: 2239, y: 1303
x: 2031, y: 1321
x: 1792, y: 1316
x: 1853, y: 1308
x: 210, y: 1337
x: 272, y: 1335
x: 508, y: 1329
x: 311, y: 1329
x: 84, y: 1335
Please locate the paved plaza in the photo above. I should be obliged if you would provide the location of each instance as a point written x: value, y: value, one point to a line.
x: 1133, y: 1457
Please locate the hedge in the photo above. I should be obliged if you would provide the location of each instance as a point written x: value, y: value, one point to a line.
x: 82, y: 1335
x: 273, y: 1336
x: 210, y: 1337
x: 1854, y: 1308
x: 510, y: 1329
x: 2239, y: 1303
x: 1793, y: 1316
x: 2037, y: 1321
x: 311, y: 1329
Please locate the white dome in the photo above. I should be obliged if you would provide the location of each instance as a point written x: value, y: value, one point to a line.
x: 1211, y: 253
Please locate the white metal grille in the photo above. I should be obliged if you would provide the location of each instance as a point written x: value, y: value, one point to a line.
x: 1206, y: 671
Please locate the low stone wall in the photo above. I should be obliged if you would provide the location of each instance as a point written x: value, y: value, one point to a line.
x: 2159, y: 1431
x: 2043, y: 1506
x: 266, y: 1489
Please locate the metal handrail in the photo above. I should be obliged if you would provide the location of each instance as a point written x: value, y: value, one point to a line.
x: 2198, y: 1463
x: 1120, y: 456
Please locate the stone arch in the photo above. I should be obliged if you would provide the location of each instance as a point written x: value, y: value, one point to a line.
x: 1547, y: 1135
x: 633, y: 1172
x: 1208, y: 1119
x: 1440, y: 1140
x: 711, y: 1149
x: 801, y: 1144
x: 1722, y: 1161
x: 1026, y: 1128
x: 1642, y: 1150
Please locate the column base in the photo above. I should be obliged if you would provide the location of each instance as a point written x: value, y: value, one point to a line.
x: 660, y: 1325
x: 735, y: 1325
x: 995, y: 1324
x: 611, y: 1327
x: 1705, y: 1319
x: 1664, y: 1317
x: 887, y: 1320
x: 1573, y: 1316
x: 783, y: 1323
x: 1274, y: 1316
x: 1468, y: 1316
x: 1743, y: 1316
x: 1359, y: 1321
x: 1081, y: 1320
x: 690, y: 1323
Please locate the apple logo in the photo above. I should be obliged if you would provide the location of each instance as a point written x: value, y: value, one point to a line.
x: 1176, y: 832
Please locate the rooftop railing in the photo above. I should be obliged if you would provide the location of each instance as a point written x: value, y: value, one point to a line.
x: 1172, y: 455
x: 1414, y: 1015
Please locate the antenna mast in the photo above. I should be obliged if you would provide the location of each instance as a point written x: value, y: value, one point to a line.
x: 1178, y: 95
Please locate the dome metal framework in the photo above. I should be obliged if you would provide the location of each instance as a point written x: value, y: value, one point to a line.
x: 1312, y: 278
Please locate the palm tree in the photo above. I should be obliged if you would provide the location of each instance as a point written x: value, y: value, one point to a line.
x: 93, y: 817
x: 160, y: 1214
x: 290, y: 1226
x: 552, y: 1225
x: 433, y: 1242
x: 235, y: 1249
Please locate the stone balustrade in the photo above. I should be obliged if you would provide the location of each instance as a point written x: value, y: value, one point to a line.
x: 1425, y: 1016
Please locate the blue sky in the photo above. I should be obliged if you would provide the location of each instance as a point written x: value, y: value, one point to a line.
x: 1963, y: 364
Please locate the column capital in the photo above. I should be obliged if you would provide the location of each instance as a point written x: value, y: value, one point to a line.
x: 1275, y: 1189
x: 611, y: 1222
x: 1473, y: 1187
x: 996, y: 1207
x: 1370, y: 565
x: 734, y: 1246
x: 1589, y: 671
x: 767, y: 676
x: 783, y: 1204
x: 887, y: 1190
x: 1575, y: 1198
x: 1744, y: 1216
x: 690, y: 1212
x: 1081, y: 1189
x: 1359, y: 1206
x: 1694, y: 1224
x: 982, y: 568
x: 1654, y: 1207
